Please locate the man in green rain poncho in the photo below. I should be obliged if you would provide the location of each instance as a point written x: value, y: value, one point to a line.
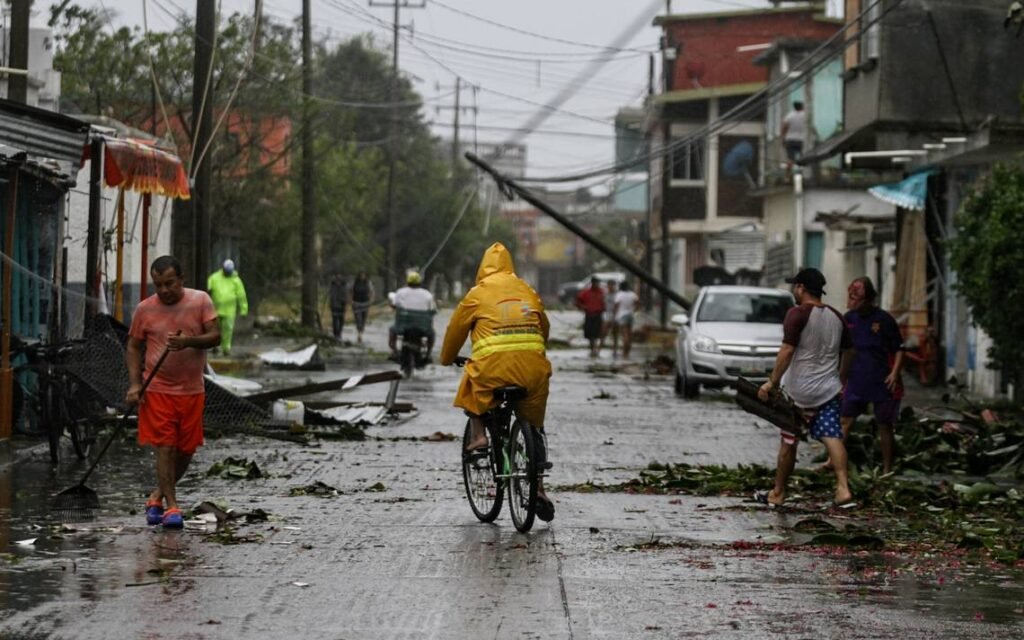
x: 228, y: 293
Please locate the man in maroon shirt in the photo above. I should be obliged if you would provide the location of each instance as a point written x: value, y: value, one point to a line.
x: 591, y: 302
x: 811, y: 368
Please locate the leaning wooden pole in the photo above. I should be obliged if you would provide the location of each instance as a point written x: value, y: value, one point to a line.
x: 6, y: 373
x: 510, y: 187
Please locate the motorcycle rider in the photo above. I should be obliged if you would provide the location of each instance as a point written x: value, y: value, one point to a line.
x: 414, y: 307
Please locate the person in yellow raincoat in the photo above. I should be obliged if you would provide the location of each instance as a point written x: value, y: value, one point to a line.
x: 228, y: 293
x: 506, y: 321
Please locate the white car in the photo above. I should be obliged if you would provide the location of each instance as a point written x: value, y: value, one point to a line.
x: 731, y: 332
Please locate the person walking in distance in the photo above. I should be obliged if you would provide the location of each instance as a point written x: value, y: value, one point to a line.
x: 228, y: 294
x: 591, y: 302
x: 625, y: 308
x: 608, y: 318
x: 182, y: 321
x: 362, y: 298
x: 338, y: 299
x: 811, y: 367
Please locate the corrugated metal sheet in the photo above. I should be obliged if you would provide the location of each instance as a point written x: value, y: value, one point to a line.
x: 45, y: 137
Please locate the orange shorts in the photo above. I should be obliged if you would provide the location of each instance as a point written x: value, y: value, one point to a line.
x: 167, y: 420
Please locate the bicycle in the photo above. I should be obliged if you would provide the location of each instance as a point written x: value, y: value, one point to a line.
x: 515, y: 460
x: 60, y: 402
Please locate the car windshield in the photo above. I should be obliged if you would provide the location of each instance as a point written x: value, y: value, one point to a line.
x: 744, y: 307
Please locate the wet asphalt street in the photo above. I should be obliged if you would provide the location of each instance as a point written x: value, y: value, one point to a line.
x: 397, y: 553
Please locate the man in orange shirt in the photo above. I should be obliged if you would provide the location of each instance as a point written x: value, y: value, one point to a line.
x: 183, y: 322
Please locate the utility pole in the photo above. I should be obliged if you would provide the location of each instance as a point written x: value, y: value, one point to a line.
x: 309, y: 284
x: 202, y: 129
x: 458, y: 109
x: 17, y: 83
x: 393, y: 93
x: 648, y: 237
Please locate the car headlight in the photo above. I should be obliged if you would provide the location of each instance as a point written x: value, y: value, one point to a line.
x: 705, y: 344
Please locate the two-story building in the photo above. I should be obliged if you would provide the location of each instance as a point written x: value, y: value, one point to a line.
x: 702, y: 184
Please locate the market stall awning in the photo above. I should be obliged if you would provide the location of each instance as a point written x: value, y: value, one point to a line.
x: 139, y: 167
x: 908, y: 194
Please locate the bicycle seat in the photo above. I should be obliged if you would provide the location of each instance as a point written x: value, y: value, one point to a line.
x: 509, y: 394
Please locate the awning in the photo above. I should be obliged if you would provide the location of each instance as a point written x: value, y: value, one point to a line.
x: 908, y: 194
x: 140, y: 167
x: 38, y: 138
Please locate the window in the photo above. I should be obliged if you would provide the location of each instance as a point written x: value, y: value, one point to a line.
x: 744, y: 307
x: 814, y: 249
x: 688, y: 162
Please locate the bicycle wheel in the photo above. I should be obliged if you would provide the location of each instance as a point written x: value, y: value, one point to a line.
x: 484, y: 490
x: 522, y: 481
x: 49, y: 415
x: 80, y: 424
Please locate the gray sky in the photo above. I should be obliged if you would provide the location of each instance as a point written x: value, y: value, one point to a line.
x: 523, y: 59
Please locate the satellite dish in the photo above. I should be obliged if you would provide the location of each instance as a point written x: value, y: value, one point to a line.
x: 739, y: 161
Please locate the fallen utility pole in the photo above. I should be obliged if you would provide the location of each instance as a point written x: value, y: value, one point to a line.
x: 332, y: 385
x: 510, y: 187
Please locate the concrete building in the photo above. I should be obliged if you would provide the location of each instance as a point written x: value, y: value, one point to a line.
x: 819, y: 215
x: 704, y: 186
x: 43, y: 81
x: 932, y: 92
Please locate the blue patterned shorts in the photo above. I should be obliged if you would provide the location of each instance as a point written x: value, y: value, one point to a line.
x: 825, y: 423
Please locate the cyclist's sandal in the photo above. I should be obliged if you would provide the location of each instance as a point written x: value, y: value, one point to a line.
x: 154, y: 512
x: 545, y: 509
x: 173, y: 519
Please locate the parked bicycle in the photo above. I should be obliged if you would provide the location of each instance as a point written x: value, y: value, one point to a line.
x: 515, y: 460
x: 60, y: 402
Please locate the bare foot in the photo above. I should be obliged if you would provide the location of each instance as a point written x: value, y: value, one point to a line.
x: 843, y: 498
x: 827, y: 466
x: 477, y: 443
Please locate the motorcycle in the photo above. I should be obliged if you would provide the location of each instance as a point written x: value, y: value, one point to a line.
x: 414, y: 353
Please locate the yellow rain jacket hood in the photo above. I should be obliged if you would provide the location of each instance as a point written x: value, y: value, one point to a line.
x: 505, y: 320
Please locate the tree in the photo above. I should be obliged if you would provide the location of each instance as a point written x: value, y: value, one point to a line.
x: 256, y: 82
x: 987, y: 254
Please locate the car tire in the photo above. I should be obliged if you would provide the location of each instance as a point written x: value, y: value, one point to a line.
x: 685, y: 389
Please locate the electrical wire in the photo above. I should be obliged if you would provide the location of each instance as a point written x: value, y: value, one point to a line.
x: 246, y: 67
x: 751, y: 104
x: 532, y: 34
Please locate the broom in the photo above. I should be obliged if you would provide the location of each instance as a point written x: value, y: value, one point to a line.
x: 80, y: 496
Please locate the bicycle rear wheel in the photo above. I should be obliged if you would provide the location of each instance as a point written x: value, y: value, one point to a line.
x: 522, y: 481
x: 479, y: 470
x: 81, y: 425
x: 51, y: 418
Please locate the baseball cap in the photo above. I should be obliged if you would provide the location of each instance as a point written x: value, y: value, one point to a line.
x: 811, y: 279
x: 229, y: 265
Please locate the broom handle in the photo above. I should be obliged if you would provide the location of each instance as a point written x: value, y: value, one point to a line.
x: 124, y: 420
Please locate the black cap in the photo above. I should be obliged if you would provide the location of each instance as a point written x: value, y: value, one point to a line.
x: 811, y: 279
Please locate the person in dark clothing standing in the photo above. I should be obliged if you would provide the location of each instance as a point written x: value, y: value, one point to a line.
x: 876, y: 368
x: 362, y: 298
x: 338, y: 293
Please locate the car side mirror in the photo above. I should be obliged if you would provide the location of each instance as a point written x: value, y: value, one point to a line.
x: 680, y: 320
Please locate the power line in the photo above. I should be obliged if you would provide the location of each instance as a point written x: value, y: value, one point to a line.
x: 533, y: 34
x: 813, y: 61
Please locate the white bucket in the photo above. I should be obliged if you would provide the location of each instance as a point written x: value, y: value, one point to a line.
x: 289, y: 411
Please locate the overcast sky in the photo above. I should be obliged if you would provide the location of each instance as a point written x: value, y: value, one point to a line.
x: 531, y: 52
